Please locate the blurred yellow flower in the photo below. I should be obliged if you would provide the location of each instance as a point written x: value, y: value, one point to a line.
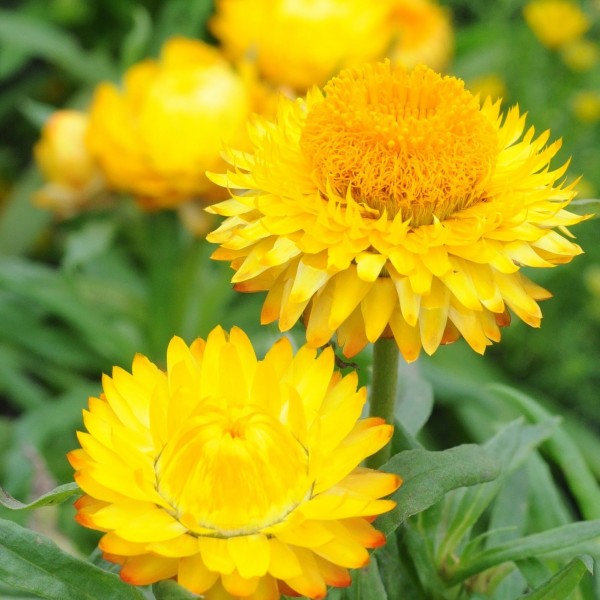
x: 393, y: 205
x: 586, y: 106
x: 156, y: 137
x: 238, y: 477
x: 74, y: 181
x: 580, y: 55
x: 299, y: 43
x: 555, y: 22
x: 423, y: 34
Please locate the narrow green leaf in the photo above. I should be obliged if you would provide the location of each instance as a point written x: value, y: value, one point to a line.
x: 41, y: 39
x: 564, y: 582
x: 135, y: 44
x: 569, y: 539
x: 33, y: 563
x: 37, y: 113
x: 427, y: 476
x: 170, y: 590
x: 586, y: 206
x: 563, y: 450
x: 56, y: 496
x: 88, y: 242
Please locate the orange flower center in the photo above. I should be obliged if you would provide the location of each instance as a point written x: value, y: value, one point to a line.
x: 233, y: 470
x: 409, y: 142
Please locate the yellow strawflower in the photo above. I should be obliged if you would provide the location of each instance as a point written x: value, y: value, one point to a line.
x: 423, y: 34
x: 393, y: 205
x: 580, y: 55
x: 555, y: 22
x: 238, y: 477
x: 300, y: 43
x: 157, y: 135
x: 490, y: 86
x: 74, y: 181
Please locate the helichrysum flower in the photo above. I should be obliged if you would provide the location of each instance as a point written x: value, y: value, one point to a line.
x: 555, y: 22
x: 393, y: 205
x: 423, y: 34
x: 302, y: 43
x: 157, y: 135
x: 238, y: 477
x: 73, y: 179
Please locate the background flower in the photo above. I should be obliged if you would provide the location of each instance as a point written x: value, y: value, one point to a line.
x: 556, y: 22
x: 157, y: 135
x: 73, y: 178
x: 239, y: 477
x: 394, y: 205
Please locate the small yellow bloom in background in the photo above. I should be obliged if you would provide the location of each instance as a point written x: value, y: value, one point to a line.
x: 586, y: 106
x: 300, y: 43
x: 556, y: 22
x: 74, y: 181
x: 580, y: 55
x: 238, y: 477
x: 394, y: 205
x: 423, y: 34
x: 157, y: 135
x: 490, y: 86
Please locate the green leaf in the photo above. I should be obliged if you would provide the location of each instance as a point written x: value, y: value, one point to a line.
x: 428, y: 476
x: 568, y: 540
x: 37, y: 113
x: 41, y: 39
x: 56, y: 496
x: 509, y: 447
x: 564, y: 582
x: 85, y: 244
x: 414, y: 402
x: 135, y: 44
x: 367, y: 584
x: 33, y: 563
x: 563, y: 450
x: 170, y: 590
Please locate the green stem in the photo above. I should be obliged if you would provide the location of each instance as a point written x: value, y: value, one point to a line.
x: 383, y: 391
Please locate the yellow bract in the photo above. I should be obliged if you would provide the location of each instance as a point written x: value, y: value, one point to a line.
x: 394, y: 206
x: 238, y: 477
x: 556, y: 22
x: 157, y: 135
x: 73, y: 178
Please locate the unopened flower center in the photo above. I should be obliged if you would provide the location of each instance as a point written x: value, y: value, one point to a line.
x: 234, y: 471
x: 409, y: 142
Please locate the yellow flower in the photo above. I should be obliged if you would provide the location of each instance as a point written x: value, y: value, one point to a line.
x: 580, y: 55
x: 156, y: 137
x: 394, y: 205
x: 238, y: 477
x: 424, y: 34
x: 555, y: 22
x: 586, y: 106
x: 299, y: 43
x: 74, y: 181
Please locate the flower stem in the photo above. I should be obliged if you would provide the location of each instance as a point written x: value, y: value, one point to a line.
x: 383, y: 391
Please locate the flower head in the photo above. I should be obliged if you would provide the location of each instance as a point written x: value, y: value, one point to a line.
x: 299, y: 43
x: 73, y: 178
x: 422, y: 32
x: 556, y: 22
x: 238, y: 477
x: 393, y: 205
x: 157, y: 135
